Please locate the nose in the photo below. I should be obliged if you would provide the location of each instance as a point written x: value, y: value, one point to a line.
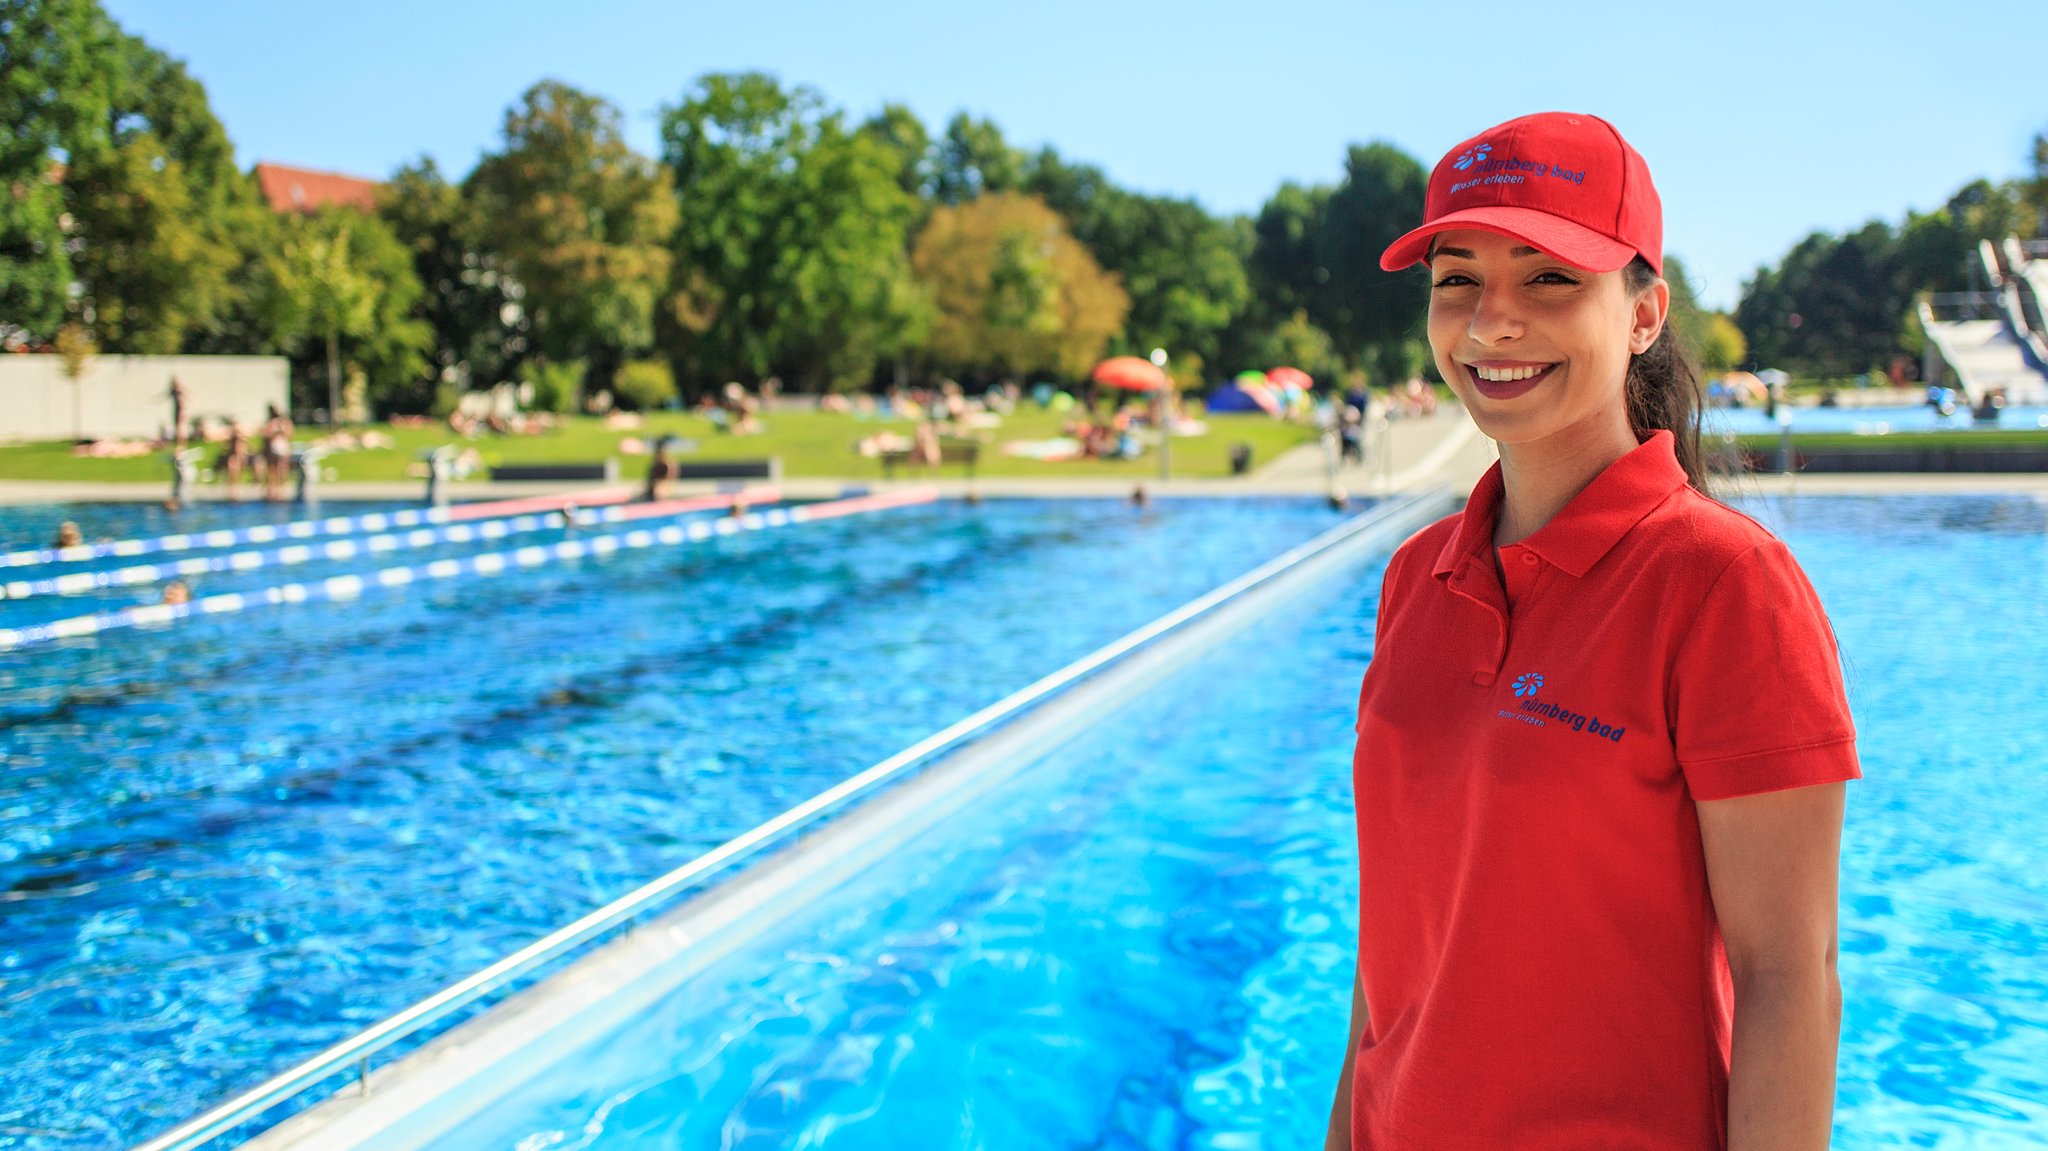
x: 1496, y: 317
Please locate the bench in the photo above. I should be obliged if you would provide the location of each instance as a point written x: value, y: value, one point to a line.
x: 769, y: 469
x: 964, y: 454
x: 606, y: 471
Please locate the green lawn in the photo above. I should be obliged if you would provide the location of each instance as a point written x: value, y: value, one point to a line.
x: 810, y: 444
x: 1946, y: 438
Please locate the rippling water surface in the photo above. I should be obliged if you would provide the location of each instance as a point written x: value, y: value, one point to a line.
x: 1870, y: 421
x: 1942, y: 610
x: 230, y: 842
x: 1145, y: 942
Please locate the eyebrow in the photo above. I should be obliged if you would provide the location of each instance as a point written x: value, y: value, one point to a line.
x: 1518, y: 251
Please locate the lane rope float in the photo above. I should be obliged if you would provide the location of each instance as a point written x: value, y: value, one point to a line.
x: 75, y: 583
x: 346, y: 587
x: 313, y: 529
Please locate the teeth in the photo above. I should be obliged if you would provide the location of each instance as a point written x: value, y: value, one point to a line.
x: 1504, y: 375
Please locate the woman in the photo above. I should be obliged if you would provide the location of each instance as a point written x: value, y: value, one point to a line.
x: 235, y: 458
x: 1603, y: 739
x: 277, y: 452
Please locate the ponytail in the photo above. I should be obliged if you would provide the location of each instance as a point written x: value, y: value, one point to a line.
x: 1664, y: 388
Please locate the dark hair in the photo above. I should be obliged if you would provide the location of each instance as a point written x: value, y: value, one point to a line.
x: 1663, y: 390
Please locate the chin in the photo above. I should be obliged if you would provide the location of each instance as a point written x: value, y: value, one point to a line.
x: 1510, y: 429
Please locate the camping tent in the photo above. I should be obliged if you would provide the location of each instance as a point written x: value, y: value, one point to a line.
x: 1247, y: 393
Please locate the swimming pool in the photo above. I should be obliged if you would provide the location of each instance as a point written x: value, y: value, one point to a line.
x: 227, y: 843
x: 1144, y: 942
x: 1867, y: 421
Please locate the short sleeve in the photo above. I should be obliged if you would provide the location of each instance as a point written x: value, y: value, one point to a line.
x: 1757, y: 701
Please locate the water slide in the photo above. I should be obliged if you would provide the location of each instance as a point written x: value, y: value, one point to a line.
x: 2002, y: 353
x: 2027, y: 266
x: 1985, y: 354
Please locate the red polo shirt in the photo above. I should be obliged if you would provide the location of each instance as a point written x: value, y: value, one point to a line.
x: 1538, y: 945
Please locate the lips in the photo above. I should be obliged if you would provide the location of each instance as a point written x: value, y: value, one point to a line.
x: 1506, y: 389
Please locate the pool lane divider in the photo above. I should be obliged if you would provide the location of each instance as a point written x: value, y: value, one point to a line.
x: 314, y: 529
x: 76, y: 583
x: 347, y: 587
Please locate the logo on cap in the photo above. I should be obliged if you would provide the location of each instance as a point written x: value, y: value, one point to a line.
x: 1475, y: 156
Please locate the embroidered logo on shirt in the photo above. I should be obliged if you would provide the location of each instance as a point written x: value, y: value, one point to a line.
x: 1542, y: 713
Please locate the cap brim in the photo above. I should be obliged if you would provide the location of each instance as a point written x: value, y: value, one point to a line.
x: 1575, y: 244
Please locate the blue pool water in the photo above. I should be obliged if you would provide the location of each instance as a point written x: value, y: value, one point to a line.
x: 1145, y: 941
x: 24, y: 526
x: 228, y: 843
x: 1867, y: 421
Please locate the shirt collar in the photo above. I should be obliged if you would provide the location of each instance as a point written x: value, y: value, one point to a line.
x: 1587, y: 527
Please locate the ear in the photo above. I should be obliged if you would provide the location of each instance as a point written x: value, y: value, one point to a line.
x: 1646, y: 321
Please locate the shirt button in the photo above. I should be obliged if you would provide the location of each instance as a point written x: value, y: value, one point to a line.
x: 1529, y: 559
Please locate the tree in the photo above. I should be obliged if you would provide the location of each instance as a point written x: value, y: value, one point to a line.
x: 2035, y: 188
x: 1830, y: 308
x: 1316, y: 251
x: 1369, y: 313
x: 1722, y: 347
x: 1297, y: 342
x: 1183, y: 268
x: 75, y: 350
x: 1283, y: 277
x: 973, y: 159
x: 1710, y: 337
x: 472, y: 307
x: 791, y: 255
x: 151, y: 270
x: 1013, y: 291
x: 51, y: 54
x: 166, y: 225
x: 1285, y: 273
x: 582, y: 223
x: 34, y: 267
x: 1938, y: 251
x: 48, y: 56
x: 340, y: 276
x: 897, y: 129
x: 1840, y: 305
x: 120, y: 179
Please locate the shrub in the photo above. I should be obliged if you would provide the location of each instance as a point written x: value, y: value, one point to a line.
x: 644, y: 385
x: 550, y: 387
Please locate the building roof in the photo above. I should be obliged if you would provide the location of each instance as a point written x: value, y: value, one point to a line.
x: 304, y: 190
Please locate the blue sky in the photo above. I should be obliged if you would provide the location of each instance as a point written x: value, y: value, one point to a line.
x: 1761, y: 121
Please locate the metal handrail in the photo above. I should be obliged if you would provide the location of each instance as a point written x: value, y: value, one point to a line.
x: 358, y: 1049
x: 1977, y: 304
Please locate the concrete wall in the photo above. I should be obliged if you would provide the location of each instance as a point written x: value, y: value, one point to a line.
x: 129, y: 396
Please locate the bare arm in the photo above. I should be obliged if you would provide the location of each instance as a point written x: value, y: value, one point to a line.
x: 1338, y: 1137
x: 1771, y: 865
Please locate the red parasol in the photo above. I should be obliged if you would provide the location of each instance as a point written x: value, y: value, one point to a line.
x: 1290, y: 377
x: 1129, y: 373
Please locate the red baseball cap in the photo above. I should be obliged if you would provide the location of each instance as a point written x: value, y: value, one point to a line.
x: 1564, y: 182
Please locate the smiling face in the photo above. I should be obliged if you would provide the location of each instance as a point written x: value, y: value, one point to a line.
x: 1537, y: 349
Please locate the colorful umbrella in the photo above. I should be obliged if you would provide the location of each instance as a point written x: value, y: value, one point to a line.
x: 1129, y: 373
x: 1290, y: 378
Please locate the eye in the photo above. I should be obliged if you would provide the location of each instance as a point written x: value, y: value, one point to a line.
x: 1554, y: 278
x: 1452, y: 280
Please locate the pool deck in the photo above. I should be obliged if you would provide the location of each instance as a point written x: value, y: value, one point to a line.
x: 1444, y: 449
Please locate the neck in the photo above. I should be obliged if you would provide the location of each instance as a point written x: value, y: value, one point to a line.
x: 1539, y: 479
